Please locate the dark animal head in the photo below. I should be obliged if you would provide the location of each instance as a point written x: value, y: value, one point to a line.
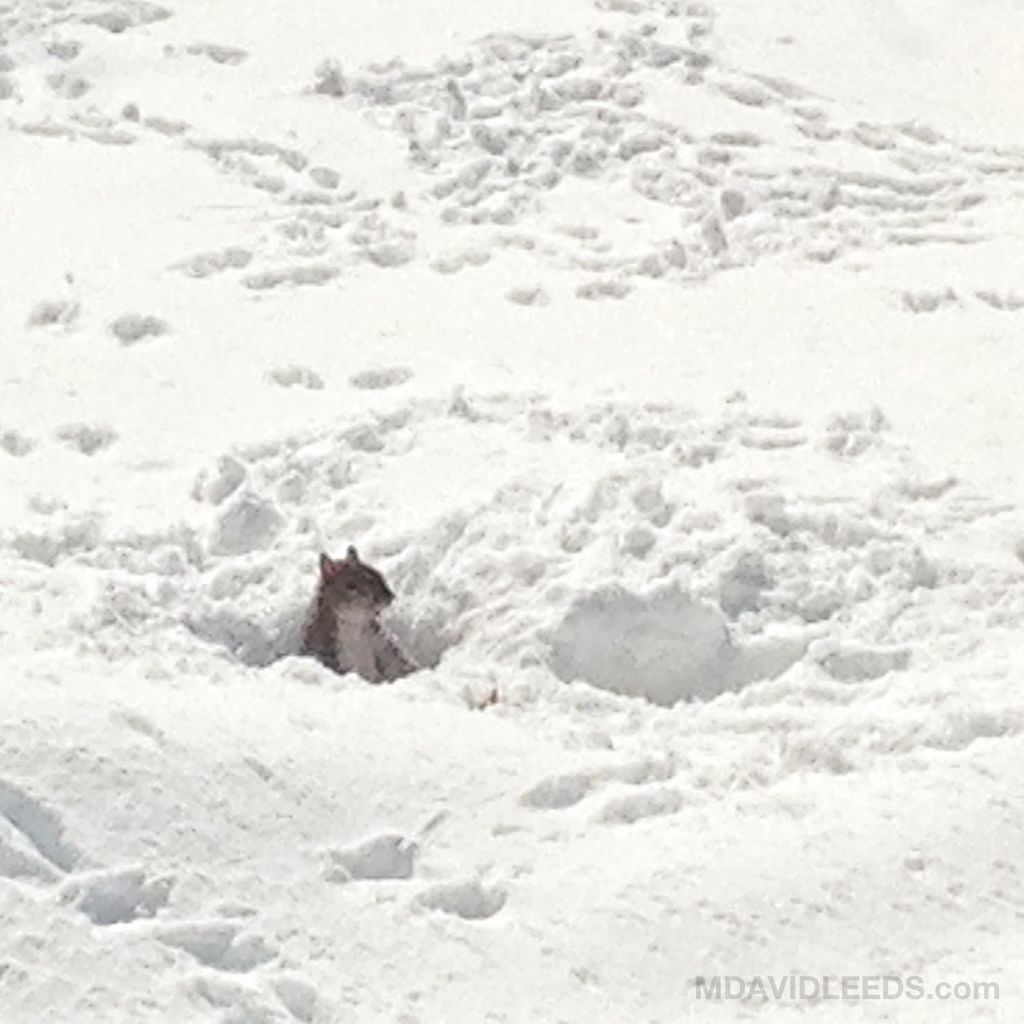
x: 352, y: 588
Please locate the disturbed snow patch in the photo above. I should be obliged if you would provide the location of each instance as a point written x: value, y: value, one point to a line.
x: 640, y: 549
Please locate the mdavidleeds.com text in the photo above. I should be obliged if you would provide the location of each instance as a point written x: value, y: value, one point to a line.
x: 839, y: 987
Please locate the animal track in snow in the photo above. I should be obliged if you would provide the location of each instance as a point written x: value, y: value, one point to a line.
x: 528, y: 295
x: 633, y: 807
x: 609, y: 289
x: 166, y: 125
x: 134, y: 327
x: 505, y: 129
x: 208, y: 263
x: 851, y: 434
x: 929, y: 301
x: 248, y: 1002
x: 499, y: 130
x: 54, y: 313
x: 301, y: 274
x: 379, y: 857
x: 1007, y: 302
x: 230, y: 55
x: 68, y: 85
x: 125, y: 15
x: 380, y: 377
x: 325, y: 177
x: 451, y: 263
x: 296, y: 377
x: 13, y: 442
x: 109, y: 897
x: 87, y: 438
x: 561, y: 791
x: 62, y: 49
x: 470, y: 900
x: 222, y: 945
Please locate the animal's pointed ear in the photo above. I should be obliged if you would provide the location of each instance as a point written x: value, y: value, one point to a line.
x: 351, y: 555
x: 328, y: 567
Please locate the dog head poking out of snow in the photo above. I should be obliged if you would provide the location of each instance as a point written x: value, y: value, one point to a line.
x: 354, y: 591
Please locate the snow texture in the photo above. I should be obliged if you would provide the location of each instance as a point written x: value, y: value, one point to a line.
x: 665, y: 357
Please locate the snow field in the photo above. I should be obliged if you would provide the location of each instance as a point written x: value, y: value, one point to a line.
x: 665, y: 358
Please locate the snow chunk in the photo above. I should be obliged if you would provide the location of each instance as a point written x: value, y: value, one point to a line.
x: 664, y: 646
x: 249, y: 523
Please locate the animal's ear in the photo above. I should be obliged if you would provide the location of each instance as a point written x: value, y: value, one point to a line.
x: 328, y: 567
x: 351, y: 555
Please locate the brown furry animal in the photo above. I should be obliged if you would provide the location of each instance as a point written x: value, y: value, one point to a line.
x: 343, y: 630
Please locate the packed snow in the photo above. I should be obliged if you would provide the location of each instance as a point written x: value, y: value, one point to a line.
x: 665, y: 357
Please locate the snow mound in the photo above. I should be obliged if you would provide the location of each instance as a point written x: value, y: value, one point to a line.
x: 664, y: 646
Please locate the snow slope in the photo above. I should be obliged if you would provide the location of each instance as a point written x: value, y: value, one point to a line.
x: 664, y: 356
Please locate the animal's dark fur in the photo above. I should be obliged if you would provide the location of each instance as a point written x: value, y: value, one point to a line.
x: 343, y: 630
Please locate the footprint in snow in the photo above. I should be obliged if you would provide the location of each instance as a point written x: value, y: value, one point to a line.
x: 109, y: 897
x: 295, y: 376
x: 469, y: 900
x: 14, y: 443
x: 87, y: 438
x: 230, y: 55
x: 221, y: 945
x: 134, y: 327
x: 560, y: 791
x: 634, y: 807
x: 380, y: 857
x: 528, y: 296
x: 54, y: 313
x: 381, y: 377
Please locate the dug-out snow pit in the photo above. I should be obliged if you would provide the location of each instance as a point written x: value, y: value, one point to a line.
x: 664, y: 646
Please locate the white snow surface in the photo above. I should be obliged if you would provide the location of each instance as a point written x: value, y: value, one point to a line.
x: 666, y: 358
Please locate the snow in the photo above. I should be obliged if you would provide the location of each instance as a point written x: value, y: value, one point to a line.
x: 664, y: 357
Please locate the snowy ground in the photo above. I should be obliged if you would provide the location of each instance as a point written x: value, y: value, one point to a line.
x: 665, y: 356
